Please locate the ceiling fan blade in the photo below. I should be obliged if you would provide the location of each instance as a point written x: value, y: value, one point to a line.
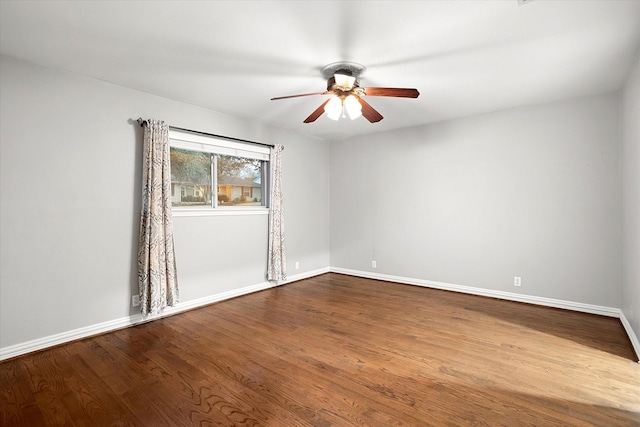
x: 369, y: 112
x: 317, y: 113
x: 302, y: 94
x: 391, y: 91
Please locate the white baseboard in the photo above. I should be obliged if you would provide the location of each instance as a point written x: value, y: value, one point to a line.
x: 306, y: 275
x: 61, y: 338
x: 631, y: 333
x: 124, y: 322
x: 549, y: 302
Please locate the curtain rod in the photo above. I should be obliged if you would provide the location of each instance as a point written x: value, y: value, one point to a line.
x: 142, y: 121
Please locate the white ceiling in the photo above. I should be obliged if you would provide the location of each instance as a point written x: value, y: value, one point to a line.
x: 465, y: 57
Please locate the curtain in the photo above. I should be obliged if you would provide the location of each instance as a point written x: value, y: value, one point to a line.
x: 157, y: 281
x: 277, y: 261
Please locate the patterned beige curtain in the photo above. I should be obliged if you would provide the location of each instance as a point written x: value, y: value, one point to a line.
x: 157, y: 279
x: 277, y: 261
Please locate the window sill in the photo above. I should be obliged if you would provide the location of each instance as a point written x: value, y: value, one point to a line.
x: 176, y: 212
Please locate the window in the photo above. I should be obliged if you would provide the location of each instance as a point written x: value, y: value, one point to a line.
x: 239, y: 181
x: 237, y: 171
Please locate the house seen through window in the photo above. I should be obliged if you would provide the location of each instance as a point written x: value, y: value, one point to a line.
x: 210, y: 176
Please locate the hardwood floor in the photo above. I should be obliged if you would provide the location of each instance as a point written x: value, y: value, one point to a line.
x: 336, y: 350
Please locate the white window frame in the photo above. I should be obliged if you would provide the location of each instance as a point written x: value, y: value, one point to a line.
x: 214, y: 145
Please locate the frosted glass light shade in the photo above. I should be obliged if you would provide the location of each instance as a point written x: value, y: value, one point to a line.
x: 343, y: 80
x: 353, y: 107
x: 333, y: 108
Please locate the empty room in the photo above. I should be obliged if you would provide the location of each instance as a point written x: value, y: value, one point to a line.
x: 320, y: 213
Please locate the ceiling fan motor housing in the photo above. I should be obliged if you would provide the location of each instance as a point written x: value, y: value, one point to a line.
x: 350, y: 69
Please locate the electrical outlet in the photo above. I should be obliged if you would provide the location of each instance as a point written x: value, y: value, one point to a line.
x: 517, y: 281
x: 135, y: 300
x: 297, y: 265
x: 374, y: 264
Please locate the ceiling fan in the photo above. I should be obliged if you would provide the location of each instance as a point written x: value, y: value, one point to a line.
x: 343, y: 84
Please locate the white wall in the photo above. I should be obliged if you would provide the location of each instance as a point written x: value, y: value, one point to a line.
x: 70, y: 181
x: 530, y: 192
x: 630, y: 188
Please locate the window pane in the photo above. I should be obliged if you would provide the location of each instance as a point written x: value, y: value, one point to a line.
x: 239, y: 181
x: 190, y: 178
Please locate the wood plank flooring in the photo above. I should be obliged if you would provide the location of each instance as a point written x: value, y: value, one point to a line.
x: 336, y: 350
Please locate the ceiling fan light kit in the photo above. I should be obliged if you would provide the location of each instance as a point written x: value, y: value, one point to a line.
x: 343, y: 84
x: 333, y: 108
x: 353, y: 107
x: 341, y: 107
